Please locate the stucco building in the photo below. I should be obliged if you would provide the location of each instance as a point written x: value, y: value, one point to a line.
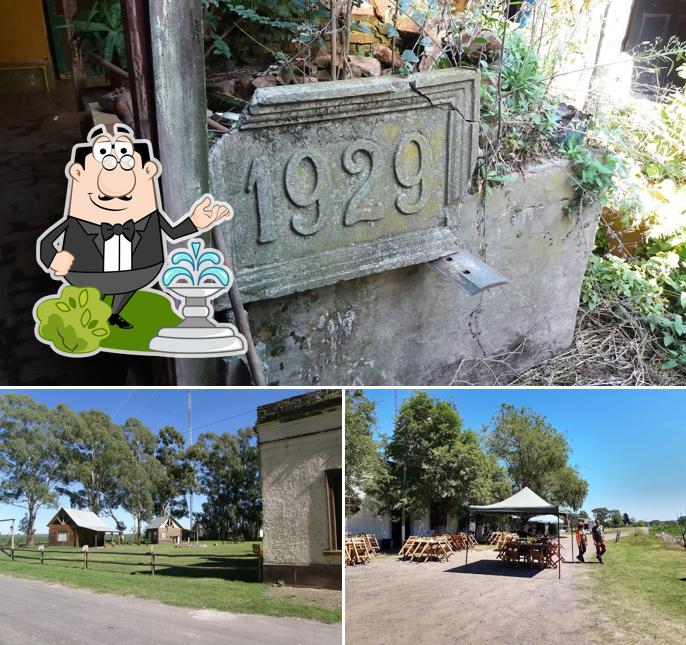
x: 302, y: 489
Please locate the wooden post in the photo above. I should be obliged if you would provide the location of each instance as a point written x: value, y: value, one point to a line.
x: 176, y: 40
x: 78, y: 72
x: 139, y: 56
x: 84, y: 549
x: 41, y: 550
x: 12, y: 538
x: 152, y: 560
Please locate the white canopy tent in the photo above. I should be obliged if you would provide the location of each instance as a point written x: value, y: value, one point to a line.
x: 544, y: 519
x: 525, y: 502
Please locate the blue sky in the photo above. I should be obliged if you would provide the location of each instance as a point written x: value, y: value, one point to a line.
x: 630, y: 445
x: 214, y: 410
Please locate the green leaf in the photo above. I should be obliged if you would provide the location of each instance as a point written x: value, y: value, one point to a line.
x: 100, y: 332
x: 72, y: 303
x: 62, y: 306
x: 670, y: 364
x: 85, y: 317
x: 83, y: 297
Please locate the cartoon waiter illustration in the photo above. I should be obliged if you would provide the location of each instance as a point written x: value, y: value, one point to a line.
x: 111, y: 236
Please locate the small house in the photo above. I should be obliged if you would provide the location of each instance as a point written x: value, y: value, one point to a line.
x: 165, y: 530
x: 75, y: 527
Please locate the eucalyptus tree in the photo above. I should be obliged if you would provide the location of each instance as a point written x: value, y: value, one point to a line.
x: 178, y: 477
x: 95, y: 459
x: 30, y: 456
x: 141, y: 473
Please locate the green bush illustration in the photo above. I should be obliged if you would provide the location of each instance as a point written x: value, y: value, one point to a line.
x: 75, y: 322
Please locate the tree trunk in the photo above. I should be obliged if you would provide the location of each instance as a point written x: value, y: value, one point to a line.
x: 29, y: 526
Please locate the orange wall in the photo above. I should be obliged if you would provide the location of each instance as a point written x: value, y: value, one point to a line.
x: 23, y: 35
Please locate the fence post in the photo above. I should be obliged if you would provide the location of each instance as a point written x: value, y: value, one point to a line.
x: 84, y: 549
x: 41, y: 550
x: 152, y: 560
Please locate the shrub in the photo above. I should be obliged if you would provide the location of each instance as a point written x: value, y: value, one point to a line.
x: 74, y: 322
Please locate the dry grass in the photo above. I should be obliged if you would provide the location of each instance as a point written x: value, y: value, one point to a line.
x: 612, y: 347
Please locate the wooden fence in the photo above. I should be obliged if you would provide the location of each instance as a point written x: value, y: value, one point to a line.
x: 153, y: 560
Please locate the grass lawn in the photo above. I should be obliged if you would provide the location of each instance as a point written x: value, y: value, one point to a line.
x: 148, y: 312
x: 230, y: 585
x: 643, y: 587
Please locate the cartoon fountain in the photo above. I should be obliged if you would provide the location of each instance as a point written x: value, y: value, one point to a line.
x: 197, y: 276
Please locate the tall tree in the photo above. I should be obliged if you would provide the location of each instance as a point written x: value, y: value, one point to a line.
x: 250, y: 505
x: 228, y: 474
x: 434, y: 463
x: 601, y: 514
x: 626, y: 519
x: 96, y: 455
x: 535, y: 455
x: 362, y: 459
x: 178, y: 476
x: 141, y: 474
x: 30, y: 456
x: 219, y: 475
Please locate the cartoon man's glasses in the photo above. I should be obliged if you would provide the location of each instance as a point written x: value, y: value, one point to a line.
x: 110, y: 154
x: 110, y: 162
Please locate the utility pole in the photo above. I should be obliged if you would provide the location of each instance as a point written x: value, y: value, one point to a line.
x: 190, y: 443
x: 12, y: 545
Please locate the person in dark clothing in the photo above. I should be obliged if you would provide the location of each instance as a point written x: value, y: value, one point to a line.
x: 599, y: 540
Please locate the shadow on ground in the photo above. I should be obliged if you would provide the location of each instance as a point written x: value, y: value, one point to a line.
x: 495, y: 568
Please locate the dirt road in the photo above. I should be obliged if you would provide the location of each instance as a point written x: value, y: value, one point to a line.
x: 392, y: 601
x: 33, y: 613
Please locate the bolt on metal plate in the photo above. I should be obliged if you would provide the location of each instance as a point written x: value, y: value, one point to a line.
x: 468, y: 272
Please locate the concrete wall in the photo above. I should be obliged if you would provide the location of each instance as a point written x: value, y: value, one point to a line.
x: 410, y: 326
x: 294, y: 455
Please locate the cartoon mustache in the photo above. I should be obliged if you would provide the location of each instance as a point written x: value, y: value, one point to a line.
x: 107, y: 198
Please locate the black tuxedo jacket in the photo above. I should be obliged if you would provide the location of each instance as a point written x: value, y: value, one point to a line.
x: 85, y: 242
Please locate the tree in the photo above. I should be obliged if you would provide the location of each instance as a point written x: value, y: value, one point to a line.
x: 362, y: 459
x: 432, y: 462
x: 601, y: 514
x: 30, y: 456
x: 681, y: 527
x: 583, y: 515
x: 218, y: 473
x: 141, y: 473
x: 535, y: 455
x: 250, y: 505
x: 626, y: 519
x: 95, y: 454
x: 178, y: 476
x: 615, y: 518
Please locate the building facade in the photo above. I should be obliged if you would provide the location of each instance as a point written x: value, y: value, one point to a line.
x: 302, y: 489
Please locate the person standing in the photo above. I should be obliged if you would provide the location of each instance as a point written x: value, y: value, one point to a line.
x: 581, y: 541
x: 599, y: 539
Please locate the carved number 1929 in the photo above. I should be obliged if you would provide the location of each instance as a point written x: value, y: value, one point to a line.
x: 362, y: 157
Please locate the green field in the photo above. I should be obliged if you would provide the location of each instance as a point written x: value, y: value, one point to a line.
x: 220, y: 576
x: 642, y: 586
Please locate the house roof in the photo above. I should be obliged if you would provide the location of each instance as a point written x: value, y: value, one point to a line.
x: 83, y: 519
x: 158, y: 521
x: 525, y: 501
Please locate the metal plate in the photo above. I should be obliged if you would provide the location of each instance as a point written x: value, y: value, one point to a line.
x: 468, y: 272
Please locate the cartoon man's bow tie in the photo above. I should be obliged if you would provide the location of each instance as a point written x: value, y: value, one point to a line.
x: 127, y: 229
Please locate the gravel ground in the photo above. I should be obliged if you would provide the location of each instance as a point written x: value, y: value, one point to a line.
x: 393, y: 601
